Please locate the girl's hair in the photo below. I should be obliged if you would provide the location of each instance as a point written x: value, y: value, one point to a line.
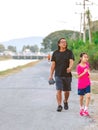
x: 81, y: 55
x: 60, y: 41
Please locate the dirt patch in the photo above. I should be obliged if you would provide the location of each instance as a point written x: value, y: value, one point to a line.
x: 94, y: 81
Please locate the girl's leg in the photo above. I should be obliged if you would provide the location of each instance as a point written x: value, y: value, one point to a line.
x: 87, y: 100
x: 86, y: 113
x: 81, y: 105
x: 81, y: 101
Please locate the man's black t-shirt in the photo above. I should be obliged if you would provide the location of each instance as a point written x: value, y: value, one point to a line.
x: 62, y: 62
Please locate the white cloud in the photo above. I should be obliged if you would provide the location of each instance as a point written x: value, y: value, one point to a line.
x: 23, y: 18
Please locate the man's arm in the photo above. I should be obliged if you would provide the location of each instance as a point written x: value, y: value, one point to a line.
x: 71, y: 62
x: 52, y: 69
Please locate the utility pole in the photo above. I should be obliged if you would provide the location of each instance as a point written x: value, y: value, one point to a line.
x: 84, y: 24
x: 84, y: 31
x: 89, y: 24
x: 80, y: 22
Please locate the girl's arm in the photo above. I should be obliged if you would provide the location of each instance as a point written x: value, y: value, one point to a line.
x: 80, y: 75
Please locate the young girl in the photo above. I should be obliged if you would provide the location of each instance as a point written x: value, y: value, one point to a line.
x: 83, y: 83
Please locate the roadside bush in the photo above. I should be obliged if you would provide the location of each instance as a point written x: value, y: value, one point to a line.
x: 91, y: 50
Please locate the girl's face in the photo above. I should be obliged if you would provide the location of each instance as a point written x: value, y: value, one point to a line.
x: 84, y: 58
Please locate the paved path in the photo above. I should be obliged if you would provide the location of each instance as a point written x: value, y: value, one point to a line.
x: 27, y: 102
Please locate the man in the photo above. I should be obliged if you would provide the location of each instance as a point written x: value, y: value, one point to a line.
x: 62, y: 63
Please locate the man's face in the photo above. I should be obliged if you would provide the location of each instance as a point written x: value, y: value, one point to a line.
x: 63, y: 43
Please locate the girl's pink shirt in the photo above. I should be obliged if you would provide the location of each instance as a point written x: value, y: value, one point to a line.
x: 83, y: 81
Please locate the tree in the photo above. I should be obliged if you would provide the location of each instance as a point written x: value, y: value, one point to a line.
x: 12, y: 48
x: 2, y: 48
x: 24, y: 47
x: 34, y: 48
x: 50, y: 42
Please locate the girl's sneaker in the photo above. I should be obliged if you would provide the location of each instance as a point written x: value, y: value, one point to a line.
x: 85, y: 113
x: 81, y: 112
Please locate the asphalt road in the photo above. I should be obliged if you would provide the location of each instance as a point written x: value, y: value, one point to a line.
x: 28, y: 102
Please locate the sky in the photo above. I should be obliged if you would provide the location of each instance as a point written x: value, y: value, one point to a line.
x: 25, y: 18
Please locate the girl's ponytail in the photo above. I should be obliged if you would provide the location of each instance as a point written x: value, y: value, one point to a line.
x: 81, y: 55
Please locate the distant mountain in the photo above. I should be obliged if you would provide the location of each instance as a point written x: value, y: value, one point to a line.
x: 19, y: 43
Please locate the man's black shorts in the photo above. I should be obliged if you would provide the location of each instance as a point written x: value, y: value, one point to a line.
x: 63, y: 83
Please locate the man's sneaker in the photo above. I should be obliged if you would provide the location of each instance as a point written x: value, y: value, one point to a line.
x: 65, y: 105
x: 81, y: 112
x: 59, y: 108
x: 85, y: 113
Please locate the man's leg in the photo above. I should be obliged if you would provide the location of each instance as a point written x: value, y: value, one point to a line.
x: 59, y: 100
x: 59, y: 97
x: 66, y: 97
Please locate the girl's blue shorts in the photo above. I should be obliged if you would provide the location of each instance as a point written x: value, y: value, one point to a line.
x: 84, y: 90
